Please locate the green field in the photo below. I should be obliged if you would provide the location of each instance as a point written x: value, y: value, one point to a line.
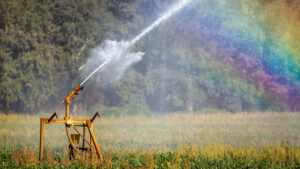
x: 256, y: 140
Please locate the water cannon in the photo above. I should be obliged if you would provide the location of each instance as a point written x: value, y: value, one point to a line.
x: 75, y: 91
x: 68, y: 100
x: 89, y: 142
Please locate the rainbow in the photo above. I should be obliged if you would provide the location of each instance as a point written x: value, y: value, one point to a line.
x: 260, y: 40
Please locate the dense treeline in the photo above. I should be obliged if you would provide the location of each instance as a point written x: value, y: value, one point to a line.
x: 187, y: 65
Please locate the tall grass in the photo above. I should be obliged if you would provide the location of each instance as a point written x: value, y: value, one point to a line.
x: 193, y: 156
x: 167, y: 131
x: 257, y: 140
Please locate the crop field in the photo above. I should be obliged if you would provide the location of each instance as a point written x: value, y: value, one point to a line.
x: 256, y: 140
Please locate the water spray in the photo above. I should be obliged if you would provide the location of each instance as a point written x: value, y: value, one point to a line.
x: 177, y: 7
x: 96, y: 70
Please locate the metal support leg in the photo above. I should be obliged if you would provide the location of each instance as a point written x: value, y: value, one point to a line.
x: 83, y: 132
x: 41, y: 138
x: 71, y: 152
x: 94, y: 140
x: 90, y: 126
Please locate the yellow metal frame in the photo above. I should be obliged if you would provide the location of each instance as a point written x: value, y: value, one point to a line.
x: 69, y: 123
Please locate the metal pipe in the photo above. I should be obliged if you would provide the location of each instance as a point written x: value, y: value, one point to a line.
x: 83, y: 132
x: 41, y: 139
x: 94, y: 140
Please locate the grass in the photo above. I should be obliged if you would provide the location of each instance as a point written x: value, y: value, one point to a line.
x: 209, y: 156
x: 258, y: 140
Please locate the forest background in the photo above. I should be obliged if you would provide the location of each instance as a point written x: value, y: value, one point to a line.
x: 189, y: 63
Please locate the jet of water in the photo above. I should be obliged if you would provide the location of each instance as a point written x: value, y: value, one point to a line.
x: 117, y: 55
x: 177, y: 7
x: 96, y: 70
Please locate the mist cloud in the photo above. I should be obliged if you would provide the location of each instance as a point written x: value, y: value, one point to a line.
x: 113, y: 57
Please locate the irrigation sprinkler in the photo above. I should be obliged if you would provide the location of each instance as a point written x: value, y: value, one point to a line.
x: 70, y: 124
x: 75, y: 148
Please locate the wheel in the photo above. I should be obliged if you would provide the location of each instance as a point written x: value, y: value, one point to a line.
x: 70, y: 139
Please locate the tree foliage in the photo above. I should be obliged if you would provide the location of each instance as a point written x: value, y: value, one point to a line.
x: 44, y: 44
